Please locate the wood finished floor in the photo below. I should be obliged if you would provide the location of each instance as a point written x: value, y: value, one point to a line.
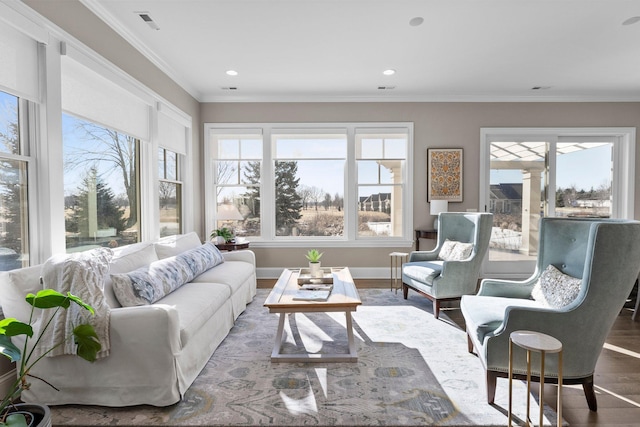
x: 617, y: 376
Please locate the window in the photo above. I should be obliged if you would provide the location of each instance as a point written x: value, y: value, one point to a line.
x: 14, y: 161
x: 238, y: 171
x: 170, y: 196
x: 101, y: 177
x: 290, y: 183
x: 309, y: 172
x: 579, y: 173
x: 380, y: 161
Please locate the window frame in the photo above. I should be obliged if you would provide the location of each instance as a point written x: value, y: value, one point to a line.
x: 350, y: 237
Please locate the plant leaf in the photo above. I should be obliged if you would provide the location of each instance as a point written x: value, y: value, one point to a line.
x: 81, y: 303
x: 48, y: 298
x: 12, y: 327
x: 87, y: 341
x: 8, y: 349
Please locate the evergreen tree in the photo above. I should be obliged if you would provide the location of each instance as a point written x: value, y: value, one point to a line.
x: 252, y: 175
x: 288, y: 201
x: 107, y: 211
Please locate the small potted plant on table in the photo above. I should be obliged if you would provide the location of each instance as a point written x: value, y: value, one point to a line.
x: 16, y: 414
x: 221, y: 236
x: 314, y: 262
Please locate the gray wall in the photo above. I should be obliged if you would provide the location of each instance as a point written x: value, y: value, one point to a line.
x: 436, y: 125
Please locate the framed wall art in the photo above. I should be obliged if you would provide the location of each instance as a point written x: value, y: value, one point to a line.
x: 444, y: 174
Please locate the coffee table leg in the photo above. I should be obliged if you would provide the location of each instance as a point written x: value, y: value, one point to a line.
x: 352, y: 345
x: 278, y: 345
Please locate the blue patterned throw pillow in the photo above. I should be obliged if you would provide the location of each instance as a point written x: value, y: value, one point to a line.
x: 148, y: 284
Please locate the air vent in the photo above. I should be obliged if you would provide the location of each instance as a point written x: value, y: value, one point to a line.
x: 541, y: 87
x: 229, y: 88
x: 147, y: 18
x: 386, y: 87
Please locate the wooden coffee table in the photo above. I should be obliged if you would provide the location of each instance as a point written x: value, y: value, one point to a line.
x: 344, y: 297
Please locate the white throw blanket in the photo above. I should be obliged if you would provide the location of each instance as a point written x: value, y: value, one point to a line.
x: 82, y: 274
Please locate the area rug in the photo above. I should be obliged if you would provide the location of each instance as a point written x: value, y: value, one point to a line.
x: 412, y: 370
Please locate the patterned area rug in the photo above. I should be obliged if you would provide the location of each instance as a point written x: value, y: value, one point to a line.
x: 412, y: 370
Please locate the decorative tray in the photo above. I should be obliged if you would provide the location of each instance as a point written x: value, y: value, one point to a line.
x: 305, y: 276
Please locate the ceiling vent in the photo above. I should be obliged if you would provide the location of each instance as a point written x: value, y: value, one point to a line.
x: 386, y: 87
x: 541, y: 87
x: 147, y: 18
x: 230, y: 88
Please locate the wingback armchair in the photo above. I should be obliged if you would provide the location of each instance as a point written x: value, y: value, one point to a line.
x: 441, y: 277
x: 604, y: 258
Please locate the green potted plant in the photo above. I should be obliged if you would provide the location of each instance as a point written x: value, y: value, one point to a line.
x: 224, y: 233
x: 86, y: 339
x: 313, y: 255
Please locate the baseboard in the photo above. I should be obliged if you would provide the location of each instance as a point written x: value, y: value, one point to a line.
x: 6, y: 380
x: 356, y: 273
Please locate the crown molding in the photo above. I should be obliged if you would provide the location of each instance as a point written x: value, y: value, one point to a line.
x: 107, y: 17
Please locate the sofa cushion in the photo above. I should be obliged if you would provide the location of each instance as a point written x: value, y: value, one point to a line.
x: 556, y: 289
x: 175, y: 245
x: 422, y: 271
x: 484, y: 314
x: 231, y: 273
x: 14, y: 287
x: 148, y: 284
x: 196, y: 303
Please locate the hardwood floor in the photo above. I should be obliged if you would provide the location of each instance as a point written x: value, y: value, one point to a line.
x: 617, y: 376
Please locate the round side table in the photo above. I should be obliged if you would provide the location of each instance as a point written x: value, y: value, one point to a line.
x: 397, y: 259
x: 542, y: 343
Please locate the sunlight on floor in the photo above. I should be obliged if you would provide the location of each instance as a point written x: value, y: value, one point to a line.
x: 622, y: 350
x: 624, y: 399
x: 306, y: 405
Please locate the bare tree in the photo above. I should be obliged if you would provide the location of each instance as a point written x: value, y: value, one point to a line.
x: 102, y: 145
x: 305, y: 195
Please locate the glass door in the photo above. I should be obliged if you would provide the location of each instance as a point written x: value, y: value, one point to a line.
x: 527, y: 177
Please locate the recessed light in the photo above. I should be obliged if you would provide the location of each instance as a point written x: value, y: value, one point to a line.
x: 232, y: 73
x: 418, y: 20
x: 631, y: 20
x: 389, y: 72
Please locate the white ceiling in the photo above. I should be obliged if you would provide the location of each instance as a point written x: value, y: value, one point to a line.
x: 336, y: 50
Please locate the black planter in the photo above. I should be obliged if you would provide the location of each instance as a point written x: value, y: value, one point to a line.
x: 41, y: 416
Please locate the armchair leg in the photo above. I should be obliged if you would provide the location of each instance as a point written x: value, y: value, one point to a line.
x: 491, y: 386
x: 436, y: 308
x: 590, y: 395
x: 405, y: 291
x: 469, y: 343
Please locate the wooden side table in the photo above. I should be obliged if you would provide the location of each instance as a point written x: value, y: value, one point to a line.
x: 542, y: 343
x: 233, y: 246
x: 425, y: 234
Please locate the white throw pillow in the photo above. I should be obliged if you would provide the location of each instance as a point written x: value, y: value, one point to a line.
x: 455, y: 251
x: 556, y: 289
x: 447, y: 247
x: 461, y: 252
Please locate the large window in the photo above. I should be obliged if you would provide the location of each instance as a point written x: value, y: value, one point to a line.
x: 101, y: 186
x: 310, y: 182
x: 532, y: 173
x: 14, y: 160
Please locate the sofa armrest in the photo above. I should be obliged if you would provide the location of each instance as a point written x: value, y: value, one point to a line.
x: 417, y: 256
x: 245, y: 256
x: 506, y: 288
x: 155, y: 328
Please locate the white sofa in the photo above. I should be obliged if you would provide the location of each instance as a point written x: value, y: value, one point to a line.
x: 156, y: 350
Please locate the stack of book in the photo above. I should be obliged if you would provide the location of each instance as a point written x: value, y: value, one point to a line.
x: 313, y: 292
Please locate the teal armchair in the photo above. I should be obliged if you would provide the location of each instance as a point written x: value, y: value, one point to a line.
x: 445, y: 280
x: 604, y: 255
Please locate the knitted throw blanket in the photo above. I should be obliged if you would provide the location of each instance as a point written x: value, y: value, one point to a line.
x: 82, y: 274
